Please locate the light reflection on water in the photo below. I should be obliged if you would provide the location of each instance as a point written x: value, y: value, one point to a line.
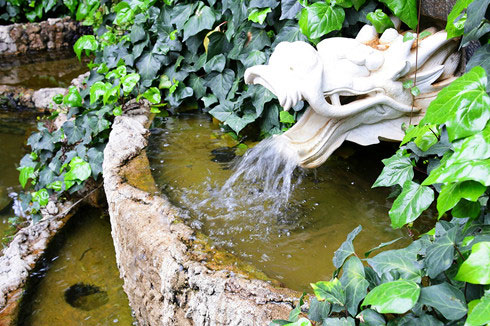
x: 83, y: 253
x: 294, y: 244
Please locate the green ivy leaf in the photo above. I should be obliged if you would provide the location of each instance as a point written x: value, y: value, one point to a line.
x: 258, y: 15
x: 380, y: 20
x: 370, y: 317
x: 453, y: 29
x: 408, y: 206
x: 480, y: 314
x: 321, y: 18
x: 26, y: 173
x: 354, y: 282
x: 446, y: 299
x: 97, y: 90
x: 466, y: 209
x: 56, y: 185
x: 153, y: 95
x: 468, y: 162
x: 425, y: 136
x: 129, y: 81
x: 396, y: 297
x: 476, y: 269
x: 346, y: 248
x: 406, y: 10
x: 87, y: 43
x: 381, y: 245
x: 79, y: 171
x: 452, y: 193
x: 481, y: 58
x: 73, y: 98
x: 111, y: 95
x: 440, y: 254
x: 294, y: 314
x: 462, y: 106
x: 403, y: 261
x: 203, y: 18
x: 148, y: 65
x: 117, y: 111
x: 300, y: 322
x: 58, y: 99
x: 286, y: 117
x: 221, y: 83
x: 41, y: 196
x: 319, y: 310
x: 398, y: 170
x: 217, y: 63
x: 349, y: 321
x: 329, y: 291
x: 71, y: 5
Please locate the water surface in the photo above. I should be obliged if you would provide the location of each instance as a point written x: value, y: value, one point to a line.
x: 81, y: 256
x: 13, y: 130
x: 294, y: 244
x: 46, y: 69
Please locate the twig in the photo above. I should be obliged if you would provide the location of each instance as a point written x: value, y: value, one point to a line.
x: 66, y: 210
x: 416, y: 60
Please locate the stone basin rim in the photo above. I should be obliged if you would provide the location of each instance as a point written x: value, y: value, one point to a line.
x: 171, y: 274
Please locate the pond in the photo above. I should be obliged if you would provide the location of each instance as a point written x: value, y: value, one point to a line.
x: 190, y: 160
x: 13, y: 129
x: 77, y: 282
x: 45, y: 69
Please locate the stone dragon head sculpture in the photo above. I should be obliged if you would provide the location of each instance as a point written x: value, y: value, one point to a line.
x: 354, y: 87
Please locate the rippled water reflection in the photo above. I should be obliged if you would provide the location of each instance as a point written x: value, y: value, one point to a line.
x: 296, y: 243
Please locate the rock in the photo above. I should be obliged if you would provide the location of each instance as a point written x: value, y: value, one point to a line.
x: 171, y: 277
x: 43, y: 98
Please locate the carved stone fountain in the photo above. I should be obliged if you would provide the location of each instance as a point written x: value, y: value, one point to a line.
x: 355, y: 87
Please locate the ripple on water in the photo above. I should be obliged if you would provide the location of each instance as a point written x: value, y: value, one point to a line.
x: 286, y: 222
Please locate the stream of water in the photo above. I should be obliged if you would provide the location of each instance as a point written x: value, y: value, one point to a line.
x: 191, y: 161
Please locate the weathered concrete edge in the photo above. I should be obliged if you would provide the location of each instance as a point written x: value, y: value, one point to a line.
x: 22, y: 254
x: 160, y: 259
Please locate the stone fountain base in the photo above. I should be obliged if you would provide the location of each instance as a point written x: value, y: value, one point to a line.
x: 171, y: 274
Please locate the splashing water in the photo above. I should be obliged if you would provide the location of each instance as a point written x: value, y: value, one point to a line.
x: 267, y: 172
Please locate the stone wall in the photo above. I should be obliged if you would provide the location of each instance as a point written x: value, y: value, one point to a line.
x: 171, y: 274
x: 54, y: 33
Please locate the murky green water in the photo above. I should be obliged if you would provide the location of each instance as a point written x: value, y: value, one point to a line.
x: 47, y: 69
x: 78, y: 283
x: 13, y: 130
x: 296, y: 245
x: 81, y: 258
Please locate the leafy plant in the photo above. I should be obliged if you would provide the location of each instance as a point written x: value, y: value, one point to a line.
x: 324, y: 17
x: 35, y: 10
x: 443, y: 277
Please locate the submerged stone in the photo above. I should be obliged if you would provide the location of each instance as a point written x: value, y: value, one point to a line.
x: 85, y: 296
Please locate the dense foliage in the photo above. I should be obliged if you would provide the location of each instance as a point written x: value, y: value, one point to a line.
x: 193, y: 55
x: 18, y: 11
x: 190, y: 54
x: 443, y: 277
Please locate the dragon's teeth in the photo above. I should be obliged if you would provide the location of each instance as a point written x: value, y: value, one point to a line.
x: 335, y: 99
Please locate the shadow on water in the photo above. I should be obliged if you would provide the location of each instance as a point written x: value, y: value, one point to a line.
x: 294, y: 242
x: 77, y: 281
x: 46, y: 69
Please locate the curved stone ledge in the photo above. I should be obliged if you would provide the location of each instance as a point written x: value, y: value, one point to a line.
x: 22, y: 254
x: 171, y: 275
